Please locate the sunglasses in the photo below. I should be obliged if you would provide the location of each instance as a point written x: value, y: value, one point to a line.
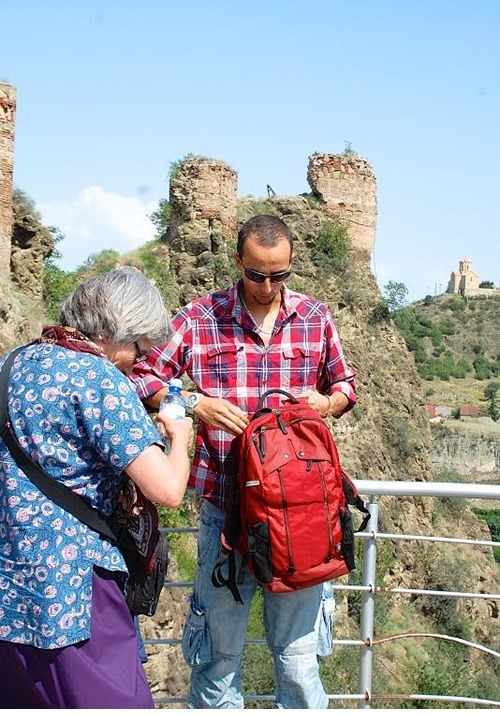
x: 140, y: 355
x: 258, y: 277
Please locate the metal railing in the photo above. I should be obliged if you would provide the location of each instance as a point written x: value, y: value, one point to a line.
x: 369, y: 588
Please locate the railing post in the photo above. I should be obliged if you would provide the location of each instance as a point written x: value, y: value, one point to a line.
x: 368, y: 607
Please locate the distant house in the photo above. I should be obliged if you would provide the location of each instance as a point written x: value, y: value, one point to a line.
x: 436, y: 412
x: 469, y: 411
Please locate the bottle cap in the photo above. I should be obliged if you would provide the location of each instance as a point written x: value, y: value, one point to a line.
x: 175, y: 383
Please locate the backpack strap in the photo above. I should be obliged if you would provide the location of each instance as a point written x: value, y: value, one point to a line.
x: 227, y: 558
x: 352, y: 496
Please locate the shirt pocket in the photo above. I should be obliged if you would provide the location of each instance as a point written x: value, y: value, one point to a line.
x: 222, y: 366
x: 300, y: 368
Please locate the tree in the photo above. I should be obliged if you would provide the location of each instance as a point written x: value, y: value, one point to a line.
x: 486, y: 284
x: 26, y: 203
x: 492, y: 394
x: 161, y: 217
x: 395, y: 294
x: 57, y: 283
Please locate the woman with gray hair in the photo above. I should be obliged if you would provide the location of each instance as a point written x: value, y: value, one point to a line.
x: 67, y: 639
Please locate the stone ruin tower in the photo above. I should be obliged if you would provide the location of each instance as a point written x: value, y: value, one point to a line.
x: 203, y: 196
x: 347, y: 185
x: 7, y: 120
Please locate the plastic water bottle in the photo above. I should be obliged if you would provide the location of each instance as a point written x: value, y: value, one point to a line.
x: 173, y: 404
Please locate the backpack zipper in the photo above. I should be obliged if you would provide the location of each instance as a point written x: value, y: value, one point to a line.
x: 260, y: 443
x: 291, y: 568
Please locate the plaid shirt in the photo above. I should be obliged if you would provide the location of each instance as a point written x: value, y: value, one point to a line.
x: 216, y: 345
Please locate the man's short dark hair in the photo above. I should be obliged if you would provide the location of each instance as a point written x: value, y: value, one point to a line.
x: 266, y: 229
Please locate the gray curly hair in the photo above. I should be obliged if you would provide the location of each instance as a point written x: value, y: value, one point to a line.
x: 121, y: 305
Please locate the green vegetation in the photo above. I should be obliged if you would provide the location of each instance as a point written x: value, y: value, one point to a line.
x: 442, y: 333
x: 400, y: 439
x: 161, y: 217
x: 348, y: 150
x: 151, y: 260
x: 492, y: 394
x: 492, y: 519
x: 25, y: 203
x: 380, y: 313
x: 332, y: 246
x: 182, y: 544
x: 175, y: 166
x: 57, y: 283
x: 396, y: 295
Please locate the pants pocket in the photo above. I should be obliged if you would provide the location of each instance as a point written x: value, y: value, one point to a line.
x: 196, y: 640
x: 259, y: 552
x: 347, y: 538
x: 325, y: 631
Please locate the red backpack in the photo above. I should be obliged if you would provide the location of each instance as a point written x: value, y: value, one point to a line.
x: 290, y: 517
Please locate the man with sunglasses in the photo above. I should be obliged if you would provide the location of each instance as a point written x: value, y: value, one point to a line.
x: 235, y: 345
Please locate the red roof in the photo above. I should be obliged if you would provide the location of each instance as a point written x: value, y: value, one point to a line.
x: 469, y: 410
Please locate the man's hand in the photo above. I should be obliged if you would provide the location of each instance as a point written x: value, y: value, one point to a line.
x: 220, y: 413
x: 326, y: 405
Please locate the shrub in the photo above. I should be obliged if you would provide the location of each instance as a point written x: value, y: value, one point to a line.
x: 456, y: 305
x: 380, y: 313
x: 332, y: 245
x: 492, y: 519
x: 400, y: 439
x: 447, y: 327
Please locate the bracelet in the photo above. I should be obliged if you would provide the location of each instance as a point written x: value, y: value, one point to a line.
x: 329, y: 405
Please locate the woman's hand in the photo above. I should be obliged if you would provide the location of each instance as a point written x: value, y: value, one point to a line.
x: 179, y: 433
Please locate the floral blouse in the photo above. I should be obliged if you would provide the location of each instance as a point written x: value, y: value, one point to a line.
x: 81, y: 420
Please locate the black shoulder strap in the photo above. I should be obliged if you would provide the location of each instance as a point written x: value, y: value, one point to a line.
x: 55, y: 491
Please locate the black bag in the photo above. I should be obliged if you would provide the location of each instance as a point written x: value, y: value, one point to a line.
x: 143, y: 546
x: 144, y: 586
x: 146, y: 553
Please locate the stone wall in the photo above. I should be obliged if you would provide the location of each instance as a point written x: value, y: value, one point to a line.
x: 347, y: 185
x: 7, y: 120
x: 203, y: 196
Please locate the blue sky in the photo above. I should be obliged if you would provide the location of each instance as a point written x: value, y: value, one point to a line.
x: 110, y: 92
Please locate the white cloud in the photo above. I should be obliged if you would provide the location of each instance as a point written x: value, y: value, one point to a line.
x: 96, y: 220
